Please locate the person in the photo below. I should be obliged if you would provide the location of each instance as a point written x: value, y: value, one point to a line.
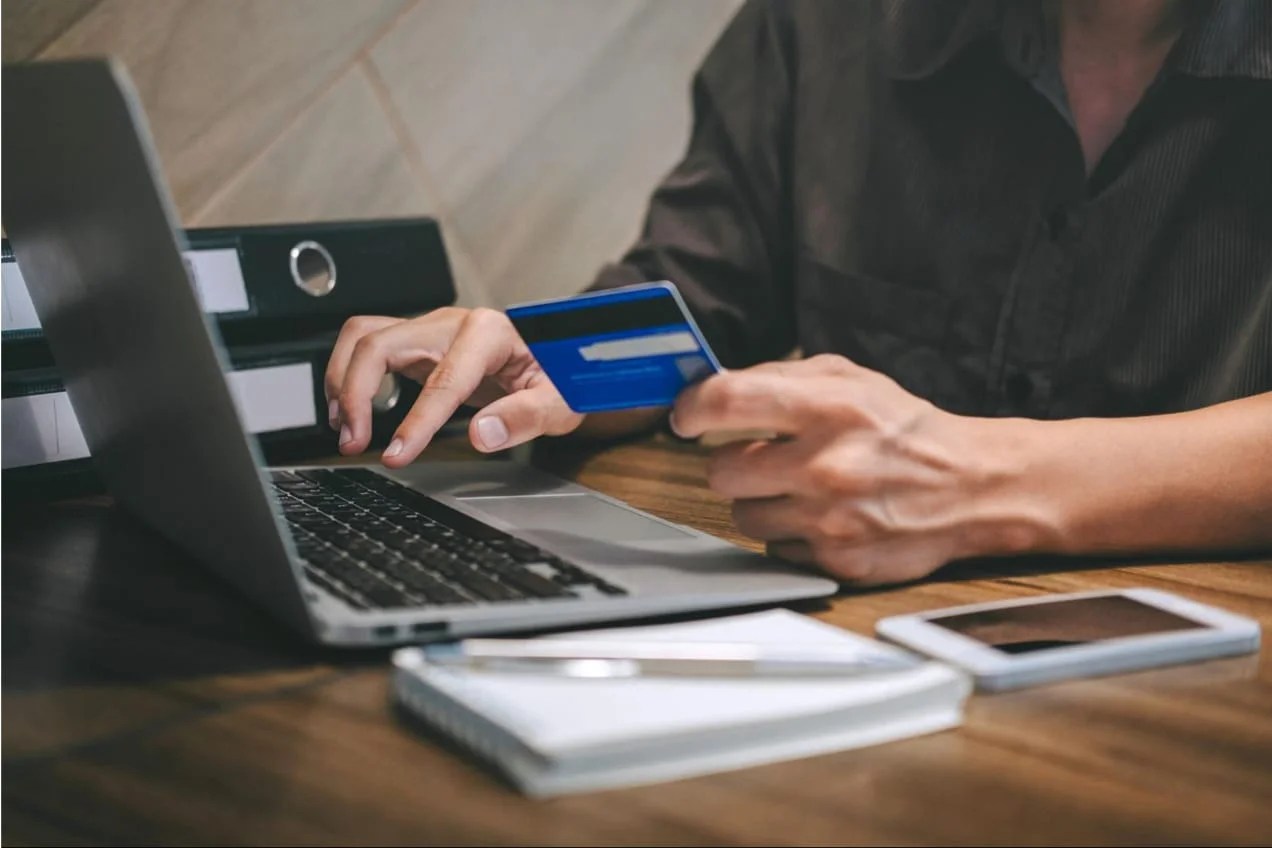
x: 1025, y: 248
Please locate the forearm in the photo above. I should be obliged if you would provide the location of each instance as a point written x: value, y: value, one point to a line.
x: 1192, y: 481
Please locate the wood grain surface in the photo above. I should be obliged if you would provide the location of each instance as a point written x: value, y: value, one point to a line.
x: 146, y: 703
x: 533, y: 131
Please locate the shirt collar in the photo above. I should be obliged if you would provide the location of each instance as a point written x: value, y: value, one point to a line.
x: 919, y: 37
x: 1224, y: 38
x: 1227, y: 38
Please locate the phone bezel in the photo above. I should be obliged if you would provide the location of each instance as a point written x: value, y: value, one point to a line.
x: 1221, y: 633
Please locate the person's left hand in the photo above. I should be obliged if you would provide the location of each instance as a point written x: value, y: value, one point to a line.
x: 864, y: 479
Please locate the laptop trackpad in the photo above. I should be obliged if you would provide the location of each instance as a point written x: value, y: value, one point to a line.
x: 576, y: 515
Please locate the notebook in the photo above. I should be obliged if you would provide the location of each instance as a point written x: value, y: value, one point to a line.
x: 557, y: 735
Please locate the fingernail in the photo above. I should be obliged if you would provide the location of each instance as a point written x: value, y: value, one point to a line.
x: 394, y: 448
x: 492, y: 432
x: 333, y: 414
x: 671, y: 421
x: 346, y: 435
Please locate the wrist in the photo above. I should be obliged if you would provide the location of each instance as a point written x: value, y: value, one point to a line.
x: 1009, y: 509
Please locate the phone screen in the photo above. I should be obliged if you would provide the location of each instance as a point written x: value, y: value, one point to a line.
x: 1058, y: 624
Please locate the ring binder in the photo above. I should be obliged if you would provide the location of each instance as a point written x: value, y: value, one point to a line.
x: 272, y: 292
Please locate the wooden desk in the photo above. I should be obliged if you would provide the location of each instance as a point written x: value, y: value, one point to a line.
x: 146, y: 703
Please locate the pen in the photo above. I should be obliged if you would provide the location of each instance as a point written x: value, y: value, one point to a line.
x: 602, y: 659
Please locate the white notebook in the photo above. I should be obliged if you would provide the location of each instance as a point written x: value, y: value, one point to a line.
x: 556, y: 735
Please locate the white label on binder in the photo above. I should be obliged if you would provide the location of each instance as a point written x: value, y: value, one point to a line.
x: 43, y: 428
x: 217, y: 275
x: 40, y: 428
x: 19, y: 311
x: 218, y: 279
x: 275, y: 398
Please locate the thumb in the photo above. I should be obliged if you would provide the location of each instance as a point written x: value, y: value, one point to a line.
x: 522, y: 416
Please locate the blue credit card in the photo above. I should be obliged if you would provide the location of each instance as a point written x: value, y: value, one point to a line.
x: 617, y: 349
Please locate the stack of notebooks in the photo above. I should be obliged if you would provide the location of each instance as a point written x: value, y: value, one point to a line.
x: 554, y: 735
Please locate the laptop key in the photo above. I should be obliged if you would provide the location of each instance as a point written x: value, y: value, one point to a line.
x: 389, y: 597
x: 318, y: 578
x: 484, y: 587
x: 532, y: 583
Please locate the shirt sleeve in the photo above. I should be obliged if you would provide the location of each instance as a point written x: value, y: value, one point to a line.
x: 719, y: 226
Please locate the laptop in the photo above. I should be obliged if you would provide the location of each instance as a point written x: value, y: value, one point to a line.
x: 346, y: 555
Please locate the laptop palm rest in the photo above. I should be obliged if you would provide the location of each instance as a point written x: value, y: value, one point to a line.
x: 578, y: 515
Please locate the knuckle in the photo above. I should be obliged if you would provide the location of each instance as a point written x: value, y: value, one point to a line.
x: 536, y: 418
x: 827, y: 474
x: 370, y: 345
x: 444, y: 378
x: 720, y: 470
x: 357, y: 325
x: 831, y: 363
x: 836, y: 365
x: 523, y: 414
x: 847, y: 565
x: 484, y: 318
x: 330, y: 383
x: 443, y: 313
x: 348, y: 400
x: 364, y: 325
x: 826, y: 526
x: 722, y: 397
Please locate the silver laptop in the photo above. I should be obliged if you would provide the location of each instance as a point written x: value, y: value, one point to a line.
x: 347, y: 555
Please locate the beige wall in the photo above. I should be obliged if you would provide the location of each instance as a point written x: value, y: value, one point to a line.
x: 533, y: 129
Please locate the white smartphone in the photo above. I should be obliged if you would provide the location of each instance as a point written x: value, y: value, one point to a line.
x: 1011, y: 644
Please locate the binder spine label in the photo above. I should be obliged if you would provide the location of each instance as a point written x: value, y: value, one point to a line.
x: 42, y: 428
x: 218, y: 279
x: 276, y: 398
x: 19, y: 311
x: 217, y: 275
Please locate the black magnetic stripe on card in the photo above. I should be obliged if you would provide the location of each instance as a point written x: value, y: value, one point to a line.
x: 578, y: 321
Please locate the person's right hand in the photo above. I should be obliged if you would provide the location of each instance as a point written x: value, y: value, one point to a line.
x: 461, y: 356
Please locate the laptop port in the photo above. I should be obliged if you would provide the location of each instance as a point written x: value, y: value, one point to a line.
x: 385, y: 631
x: 436, y: 628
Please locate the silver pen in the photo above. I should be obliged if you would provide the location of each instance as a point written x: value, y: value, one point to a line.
x: 604, y: 659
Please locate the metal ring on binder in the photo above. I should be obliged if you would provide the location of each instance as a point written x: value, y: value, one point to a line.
x: 312, y: 268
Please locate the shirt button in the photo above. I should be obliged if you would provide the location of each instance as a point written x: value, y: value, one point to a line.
x: 1020, y: 388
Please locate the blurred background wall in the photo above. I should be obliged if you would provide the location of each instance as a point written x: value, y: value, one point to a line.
x: 533, y: 129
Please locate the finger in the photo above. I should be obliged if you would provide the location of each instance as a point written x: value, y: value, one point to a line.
x: 522, y: 416
x: 758, y: 469
x: 792, y: 550
x: 827, y: 365
x: 350, y: 334
x: 739, y: 400
x: 484, y: 344
x: 870, y: 563
x: 772, y: 519
x: 374, y: 355
x: 820, y: 365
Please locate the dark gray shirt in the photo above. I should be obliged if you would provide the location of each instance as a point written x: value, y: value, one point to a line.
x: 901, y: 183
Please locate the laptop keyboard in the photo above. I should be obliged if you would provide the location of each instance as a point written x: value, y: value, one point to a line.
x: 377, y: 544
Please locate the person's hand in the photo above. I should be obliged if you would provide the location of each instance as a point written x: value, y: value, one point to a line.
x: 461, y: 356
x: 864, y: 479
